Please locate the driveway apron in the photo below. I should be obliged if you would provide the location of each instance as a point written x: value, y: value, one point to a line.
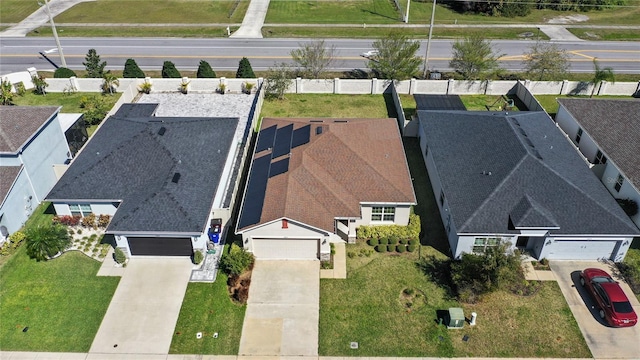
x: 144, y: 310
x: 603, y: 341
x: 282, y: 310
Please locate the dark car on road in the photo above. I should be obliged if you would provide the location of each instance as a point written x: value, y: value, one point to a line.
x: 614, y: 305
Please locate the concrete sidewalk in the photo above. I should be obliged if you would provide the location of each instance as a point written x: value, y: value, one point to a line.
x: 253, y: 21
x: 40, y: 17
x: 7, y: 355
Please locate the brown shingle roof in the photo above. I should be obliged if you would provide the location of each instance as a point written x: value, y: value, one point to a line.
x: 352, y: 161
x: 614, y: 125
x: 19, y: 123
x: 8, y: 175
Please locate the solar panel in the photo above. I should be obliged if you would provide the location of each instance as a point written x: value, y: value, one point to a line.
x: 265, y: 138
x: 279, y: 167
x: 282, y: 145
x: 301, y: 136
x: 256, y: 188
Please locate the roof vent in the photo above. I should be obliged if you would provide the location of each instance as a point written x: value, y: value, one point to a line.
x: 318, y: 130
x: 176, y: 177
x: 316, y: 121
x: 340, y: 121
x: 488, y: 173
x: 162, y: 130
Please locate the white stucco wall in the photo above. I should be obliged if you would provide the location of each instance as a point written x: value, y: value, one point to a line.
x: 570, y: 126
x: 627, y: 191
x: 98, y: 208
x: 17, y: 207
x: 294, y: 230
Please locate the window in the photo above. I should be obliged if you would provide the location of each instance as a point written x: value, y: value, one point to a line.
x: 441, y: 198
x: 481, y: 243
x: 380, y: 213
x: 579, y: 136
x: 80, y: 209
x: 619, y: 182
x: 600, y: 158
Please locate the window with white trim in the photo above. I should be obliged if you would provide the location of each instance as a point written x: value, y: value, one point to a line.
x: 383, y: 213
x: 600, y: 158
x: 579, y: 136
x: 80, y: 209
x: 480, y: 244
x: 619, y: 182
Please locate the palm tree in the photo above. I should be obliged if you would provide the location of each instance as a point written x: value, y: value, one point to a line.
x: 600, y: 75
x: 44, y: 241
x: 109, y: 83
x: 6, y: 96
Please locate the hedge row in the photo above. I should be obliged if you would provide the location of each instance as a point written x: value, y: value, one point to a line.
x: 395, y: 248
x: 409, y: 232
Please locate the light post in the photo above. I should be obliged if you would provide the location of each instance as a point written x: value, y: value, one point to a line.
x: 55, y: 33
x: 406, y: 16
x: 426, y: 57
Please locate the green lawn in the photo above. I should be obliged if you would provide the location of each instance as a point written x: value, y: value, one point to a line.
x: 62, y: 301
x: 70, y: 102
x: 207, y: 308
x: 130, y: 31
x: 155, y: 11
x: 332, y: 12
x: 327, y: 105
x: 14, y: 11
x: 367, y: 307
x: 606, y: 34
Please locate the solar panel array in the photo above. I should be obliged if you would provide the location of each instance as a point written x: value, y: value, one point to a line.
x: 282, y: 145
x: 279, y: 167
x: 301, y: 136
x: 266, y: 138
x: 256, y: 189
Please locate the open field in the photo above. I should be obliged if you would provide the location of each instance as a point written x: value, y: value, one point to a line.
x: 14, y: 11
x: 61, y: 301
x: 155, y: 12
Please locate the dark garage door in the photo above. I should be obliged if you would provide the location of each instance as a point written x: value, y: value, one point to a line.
x: 162, y: 246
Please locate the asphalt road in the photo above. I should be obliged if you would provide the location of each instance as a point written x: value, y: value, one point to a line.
x: 17, y: 54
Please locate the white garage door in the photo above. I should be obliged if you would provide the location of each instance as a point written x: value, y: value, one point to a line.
x: 290, y: 249
x: 581, y: 250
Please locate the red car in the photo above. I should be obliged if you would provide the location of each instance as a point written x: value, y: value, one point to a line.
x: 615, y: 307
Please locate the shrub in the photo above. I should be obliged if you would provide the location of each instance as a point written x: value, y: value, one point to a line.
x: 236, y: 261
x: 391, y: 248
x: 205, y: 70
x: 95, y: 109
x: 631, y: 275
x: 103, y: 220
x: 89, y: 220
x: 17, y: 238
x: 247, y: 87
x: 411, y: 231
x: 63, y: 72
x: 241, y: 295
x: 401, y: 248
x: 67, y: 220
x: 169, y: 71
x: 351, y: 254
x: 384, y: 241
x: 145, y: 87
x: 197, y: 257
x: 381, y: 248
x: 413, y: 242
x: 20, y: 88
x: 544, y: 261
x: 373, y: 241
x: 411, y: 248
x: 629, y: 206
x: 393, y: 240
x: 365, y: 252
x: 44, y: 241
x: 245, y: 71
x: 40, y: 85
x: 132, y: 70
x: 79, y: 232
x: 403, y: 241
x: 119, y: 256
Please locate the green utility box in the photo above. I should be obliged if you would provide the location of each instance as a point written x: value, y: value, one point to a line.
x: 455, y: 320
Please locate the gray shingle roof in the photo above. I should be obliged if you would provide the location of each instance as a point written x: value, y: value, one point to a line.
x: 614, y: 125
x: 19, y: 123
x: 497, y: 167
x: 128, y: 160
x: 8, y: 176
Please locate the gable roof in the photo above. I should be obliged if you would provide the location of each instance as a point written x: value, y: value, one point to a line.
x: 19, y: 123
x: 614, y: 125
x: 165, y: 171
x: 8, y: 175
x: 333, y: 166
x: 498, y: 168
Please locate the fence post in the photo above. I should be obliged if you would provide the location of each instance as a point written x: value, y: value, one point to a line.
x: 336, y: 85
x: 450, y: 84
x: 412, y: 86
x: 298, y: 85
x: 374, y: 85
x: 564, y: 87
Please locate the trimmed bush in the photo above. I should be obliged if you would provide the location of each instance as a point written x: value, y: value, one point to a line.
x: 169, y: 71
x: 197, y: 257
x: 411, y: 248
x: 89, y: 220
x: 205, y: 70
x: 384, y: 241
x: 373, y: 242
x: 381, y: 248
x: 351, y: 254
x: 413, y: 242
x: 393, y: 240
x: 404, y: 241
x: 391, y: 248
x: 401, y: 248
x: 245, y: 71
x: 16, y: 238
x: 132, y: 70
x: 411, y: 231
x: 63, y: 73
x: 119, y: 256
x: 236, y: 261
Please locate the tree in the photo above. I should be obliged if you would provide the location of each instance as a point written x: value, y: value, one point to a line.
x: 244, y: 70
x: 132, y: 70
x: 63, y: 72
x: 205, y: 70
x: 474, y: 57
x: 6, y: 96
x: 600, y: 75
x: 314, y: 57
x: 169, y: 71
x: 546, y: 61
x: 396, y: 57
x: 40, y: 85
x: 278, y: 80
x: 94, y: 109
x: 44, y: 241
x: 109, y: 83
x: 93, y: 65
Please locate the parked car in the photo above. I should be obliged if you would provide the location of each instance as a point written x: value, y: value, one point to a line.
x: 615, y: 307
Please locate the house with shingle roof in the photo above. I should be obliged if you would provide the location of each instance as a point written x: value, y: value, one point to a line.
x: 502, y: 177
x: 314, y: 181
x: 162, y: 179
x: 607, y: 133
x: 32, y: 142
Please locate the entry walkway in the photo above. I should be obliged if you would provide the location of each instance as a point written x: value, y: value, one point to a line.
x: 253, y: 20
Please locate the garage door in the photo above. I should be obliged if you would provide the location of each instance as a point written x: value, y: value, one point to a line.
x: 581, y: 250
x: 160, y: 246
x: 290, y: 249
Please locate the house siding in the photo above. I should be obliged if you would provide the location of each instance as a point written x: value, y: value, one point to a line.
x: 627, y: 191
x: 17, y: 206
x: 294, y: 230
x: 570, y: 126
x: 98, y: 208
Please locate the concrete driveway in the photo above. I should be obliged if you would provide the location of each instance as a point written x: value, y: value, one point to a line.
x: 143, y: 312
x: 603, y: 341
x: 282, y: 310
